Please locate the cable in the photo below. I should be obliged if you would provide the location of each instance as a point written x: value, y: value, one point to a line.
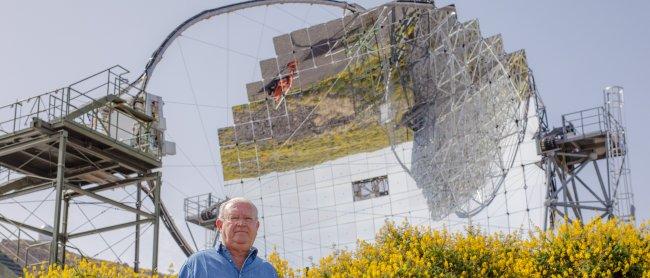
x: 165, y: 181
x: 200, y: 105
x: 259, y: 44
x: 198, y: 111
x: 99, y: 214
x: 133, y: 242
x: 261, y: 23
x: 100, y: 235
x: 180, y: 149
x: 229, y: 50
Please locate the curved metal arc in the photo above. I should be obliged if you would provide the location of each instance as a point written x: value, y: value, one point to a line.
x: 158, y: 54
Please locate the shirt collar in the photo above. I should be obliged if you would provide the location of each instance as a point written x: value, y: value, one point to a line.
x: 252, y: 253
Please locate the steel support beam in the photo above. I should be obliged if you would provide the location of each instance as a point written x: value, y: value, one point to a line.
x: 108, y: 228
x: 60, y: 184
x: 138, y: 205
x: 35, y: 157
x: 557, y: 174
x: 70, y: 175
x: 156, y: 223
x: 578, y: 205
x: 168, y: 222
x: 25, y: 226
x: 73, y: 173
x: 25, y: 145
x: 24, y: 172
x: 565, y: 181
x: 103, y: 155
x: 550, y: 188
x: 64, y: 228
x: 138, y: 163
x: 591, y: 191
x: 602, y: 184
x: 112, y: 185
x: 109, y: 201
x: 26, y: 191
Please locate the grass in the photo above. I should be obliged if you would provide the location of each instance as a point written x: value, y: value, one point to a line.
x: 352, y: 96
x: 306, y: 152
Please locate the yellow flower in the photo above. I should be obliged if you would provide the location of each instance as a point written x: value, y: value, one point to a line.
x: 596, y: 249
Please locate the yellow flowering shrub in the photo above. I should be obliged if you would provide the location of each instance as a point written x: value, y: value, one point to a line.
x: 281, y: 265
x: 86, y: 268
x: 597, y: 249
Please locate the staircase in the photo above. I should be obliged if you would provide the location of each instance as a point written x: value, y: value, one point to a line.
x: 8, y: 267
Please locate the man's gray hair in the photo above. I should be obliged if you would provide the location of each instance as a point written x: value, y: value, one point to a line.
x: 233, y: 201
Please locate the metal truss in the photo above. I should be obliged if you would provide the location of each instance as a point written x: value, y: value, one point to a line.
x: 592, y: 139
x: 465, y: 102
x: 83, y: 140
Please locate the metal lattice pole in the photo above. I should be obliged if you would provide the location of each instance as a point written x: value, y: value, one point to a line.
x: 60, y: 184
x: 156, y: 223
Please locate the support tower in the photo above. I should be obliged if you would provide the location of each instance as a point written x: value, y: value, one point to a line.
x: 586, y: 164
x: 93, y: 136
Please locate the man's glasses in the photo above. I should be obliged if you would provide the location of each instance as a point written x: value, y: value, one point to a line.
x: 237, y: 219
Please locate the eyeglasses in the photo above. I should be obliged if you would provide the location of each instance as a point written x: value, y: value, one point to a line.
x: 245, y: 220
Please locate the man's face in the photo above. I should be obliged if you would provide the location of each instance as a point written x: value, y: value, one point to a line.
x: 239, y: 226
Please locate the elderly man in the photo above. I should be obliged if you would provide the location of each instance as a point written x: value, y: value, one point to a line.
x: 235, y: 256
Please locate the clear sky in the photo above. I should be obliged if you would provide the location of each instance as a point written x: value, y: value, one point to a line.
x: 574, y: 48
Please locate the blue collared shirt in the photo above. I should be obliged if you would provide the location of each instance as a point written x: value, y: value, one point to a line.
x: 217, y: 262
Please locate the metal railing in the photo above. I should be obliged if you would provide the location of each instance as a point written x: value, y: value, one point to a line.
x: 17, y: 235
x: 45, y: 262
x: 14, y: 253
x: 193, y: 206
x: 588, y: 121
x: 89, y: 103
x: 585, y: 121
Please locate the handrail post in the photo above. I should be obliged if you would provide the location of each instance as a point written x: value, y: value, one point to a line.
x: 15, y: 115
x: 582, y: 123
x: 108, y: 82
x: 38, y: 107
x: 27, y: 255
x: 67, y: 101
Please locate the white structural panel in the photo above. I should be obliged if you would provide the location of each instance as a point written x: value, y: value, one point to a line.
x: 309, y: 213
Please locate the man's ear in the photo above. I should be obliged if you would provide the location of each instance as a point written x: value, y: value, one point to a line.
x: 218, y: 224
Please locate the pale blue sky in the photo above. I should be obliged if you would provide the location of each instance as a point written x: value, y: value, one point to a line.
x: 575, y: 48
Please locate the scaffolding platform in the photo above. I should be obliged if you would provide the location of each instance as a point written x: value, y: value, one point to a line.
x: 596, y: 139
x: 583, y: 136
x: 94, y: 135
x: 202, y: 210
x: 91, y: 158
x: 106, y: 139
